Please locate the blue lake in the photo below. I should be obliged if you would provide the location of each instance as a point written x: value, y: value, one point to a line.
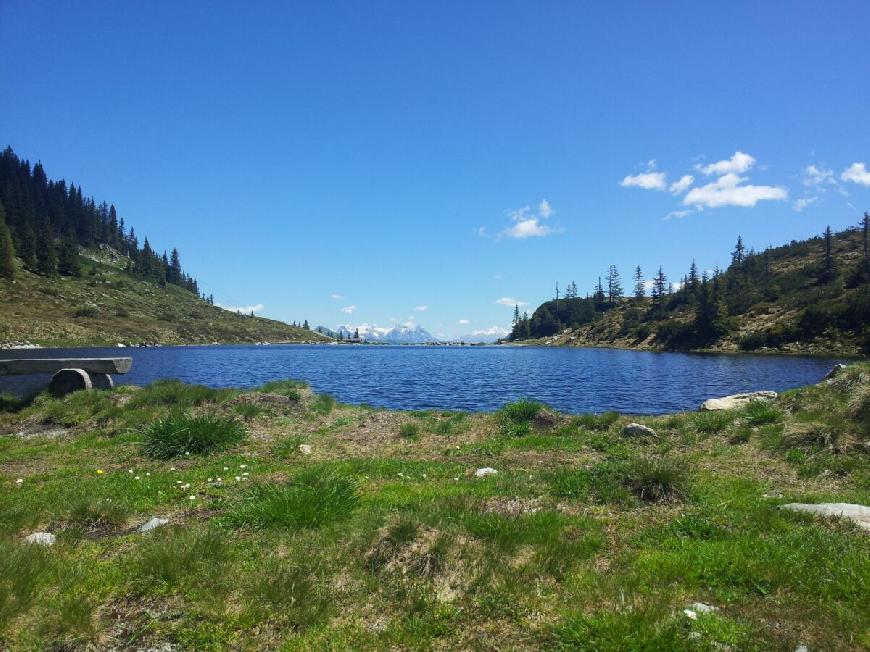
x: 465, y: 378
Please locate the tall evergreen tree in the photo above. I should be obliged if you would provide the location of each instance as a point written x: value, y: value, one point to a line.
x: 639, y: 287
x: 659, y: 288
x: 865, y: 226
x: 614, y: 285
x: 599, y: 297
x: 7, y: 249
x: 46, y: 256
x: 829, y: 271
x: 27, y: 247
x: 738, y: 256
x: 692, y: 280
x: 68, y: 263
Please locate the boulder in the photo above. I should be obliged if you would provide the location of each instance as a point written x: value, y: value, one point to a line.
x: 858, y: 514
x: 485, y: 471
x: 835, y: 371
x: 152, y: 524
x: 637, y: 430
x: 305, y: 449
x: 736, y: 401
x: 41, y: 538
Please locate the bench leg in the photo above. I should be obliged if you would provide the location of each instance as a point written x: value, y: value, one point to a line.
x: 69, y: 380
x: 101, y: 381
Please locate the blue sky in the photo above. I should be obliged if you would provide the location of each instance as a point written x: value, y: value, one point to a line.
x: 384, y: 162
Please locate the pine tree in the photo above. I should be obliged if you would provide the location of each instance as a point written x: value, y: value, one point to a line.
x: 598, y: 297
x: 865, y: 225
x: 305, y: 325
x: 691, y: 282
x: 659, y: 288
x: 356, y: 333
x: 614, y: 285
x: 46, y: 257
x: 173, y: 272
x: 68, y: 263
x: 516, y: 319
x: 829, y: 271
x: 27, y: 247
x: 639, y: 287
x: 738, y: 256
x: 7, y: 249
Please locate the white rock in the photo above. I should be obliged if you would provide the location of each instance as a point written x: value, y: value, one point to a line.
x: 858, y: 514
x: 153, y: 523
x: 305, y: 449
x: 802, y: 648
x: 485, y: 471
x: 736, y: 401
x: 702, y: 608
x: 690, y: 614
x: 637, y: 430
x: 41, y: 538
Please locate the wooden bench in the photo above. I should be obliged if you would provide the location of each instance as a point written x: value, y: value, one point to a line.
x: 70, y: 374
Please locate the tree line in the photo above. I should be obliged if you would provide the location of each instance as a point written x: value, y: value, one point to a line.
x: 713, y: 299
x: 44, y: 222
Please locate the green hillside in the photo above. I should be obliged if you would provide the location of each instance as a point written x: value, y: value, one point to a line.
x: 810, y: 296
x: 108, y: 305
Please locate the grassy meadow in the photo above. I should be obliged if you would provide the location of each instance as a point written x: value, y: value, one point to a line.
x: 298, y: 523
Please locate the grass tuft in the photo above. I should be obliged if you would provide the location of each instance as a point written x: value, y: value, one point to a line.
x: 323, y: 404
x: 312, y: 501
x: 655, y: 479
x: 181, y: 434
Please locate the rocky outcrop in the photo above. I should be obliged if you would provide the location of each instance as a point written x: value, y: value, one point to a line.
x: 736, y: 401
x: 858, y: 514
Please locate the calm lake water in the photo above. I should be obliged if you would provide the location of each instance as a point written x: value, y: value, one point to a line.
x: 467, y: 378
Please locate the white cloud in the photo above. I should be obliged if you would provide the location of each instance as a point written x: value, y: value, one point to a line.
x: 464, y: 322
x: 737, y: 164
x: 245, y: 310
x: 481, y: 232
x: 348, y: 310
x: 336, y: 297
x: 645, y: 180
x: 421, y: 308
x: 510, y: 302
x: 527, y: 222
x: 856, y: 173
x: 814, y: 176
x: 492, y: 330
x: 677, y: 215
x: 728, y: 191
x: 681, y: 186
x: 802, y: 203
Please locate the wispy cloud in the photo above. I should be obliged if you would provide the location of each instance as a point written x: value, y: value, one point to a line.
x: 815, y: 176
x: 349, y: 310
x: 245, y: 310
x: 856, y: 173
x: 678, y: 215
x: 336, y: 297
x: 492, y: 330
x: 681, y: 186
x: 421, y: 308
x: 645, y: 180
x: 511, y: 302
x: 728, y: 190
x: 802, y: 203
x: 528, y: 222
x: 737, y: 164
x: 464, y: 322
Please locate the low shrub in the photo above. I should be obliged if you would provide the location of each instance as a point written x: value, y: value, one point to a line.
x: 410, y: 431
x: 292, y: 389
x: 759, y: 413
x: 86, y: 311
x: 181, y: 434
x: 323, y: 404
x: 601, y: 421
x: 523, y: 411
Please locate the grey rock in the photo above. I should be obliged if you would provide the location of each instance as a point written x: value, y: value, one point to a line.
x: 305, y: 449
x: 485, y: 471
x: 702, y: 608
x: 637, y: 430
x: 41, y: 538
x: 858, y: 514
x: 835, y: 371
x: 736, y: 401
x: 154, y: 523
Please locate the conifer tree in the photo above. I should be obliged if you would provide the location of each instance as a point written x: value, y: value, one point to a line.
x: 599, y: 297
x: 306, y: 326
x: 639, y: 287
x: 614, y: 285
x: 7, y: 249
x: 516, y: 319
x: 829, y: 271
x: 68, y: 256
x: 738, y: 256
x: 46, y: 257
x: 865, y: 226
x: 659, y: 288
x: 27, y: 247
x: 692, y: 280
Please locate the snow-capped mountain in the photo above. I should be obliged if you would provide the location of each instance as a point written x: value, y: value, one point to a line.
x: 484, y: 336
x: 401, y: 334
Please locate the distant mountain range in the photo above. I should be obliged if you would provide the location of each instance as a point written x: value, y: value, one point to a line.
x: 401, y: 334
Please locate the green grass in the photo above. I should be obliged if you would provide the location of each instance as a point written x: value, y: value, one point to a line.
x: 383, y: 538
x: 521, y: 412
x: 292, y: 389
x: 323, y: 404
x: 178, y: 435
x: 312, y: 500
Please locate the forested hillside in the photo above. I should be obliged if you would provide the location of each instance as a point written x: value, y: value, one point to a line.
x: 73, y: 273
x: 807, y: 296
